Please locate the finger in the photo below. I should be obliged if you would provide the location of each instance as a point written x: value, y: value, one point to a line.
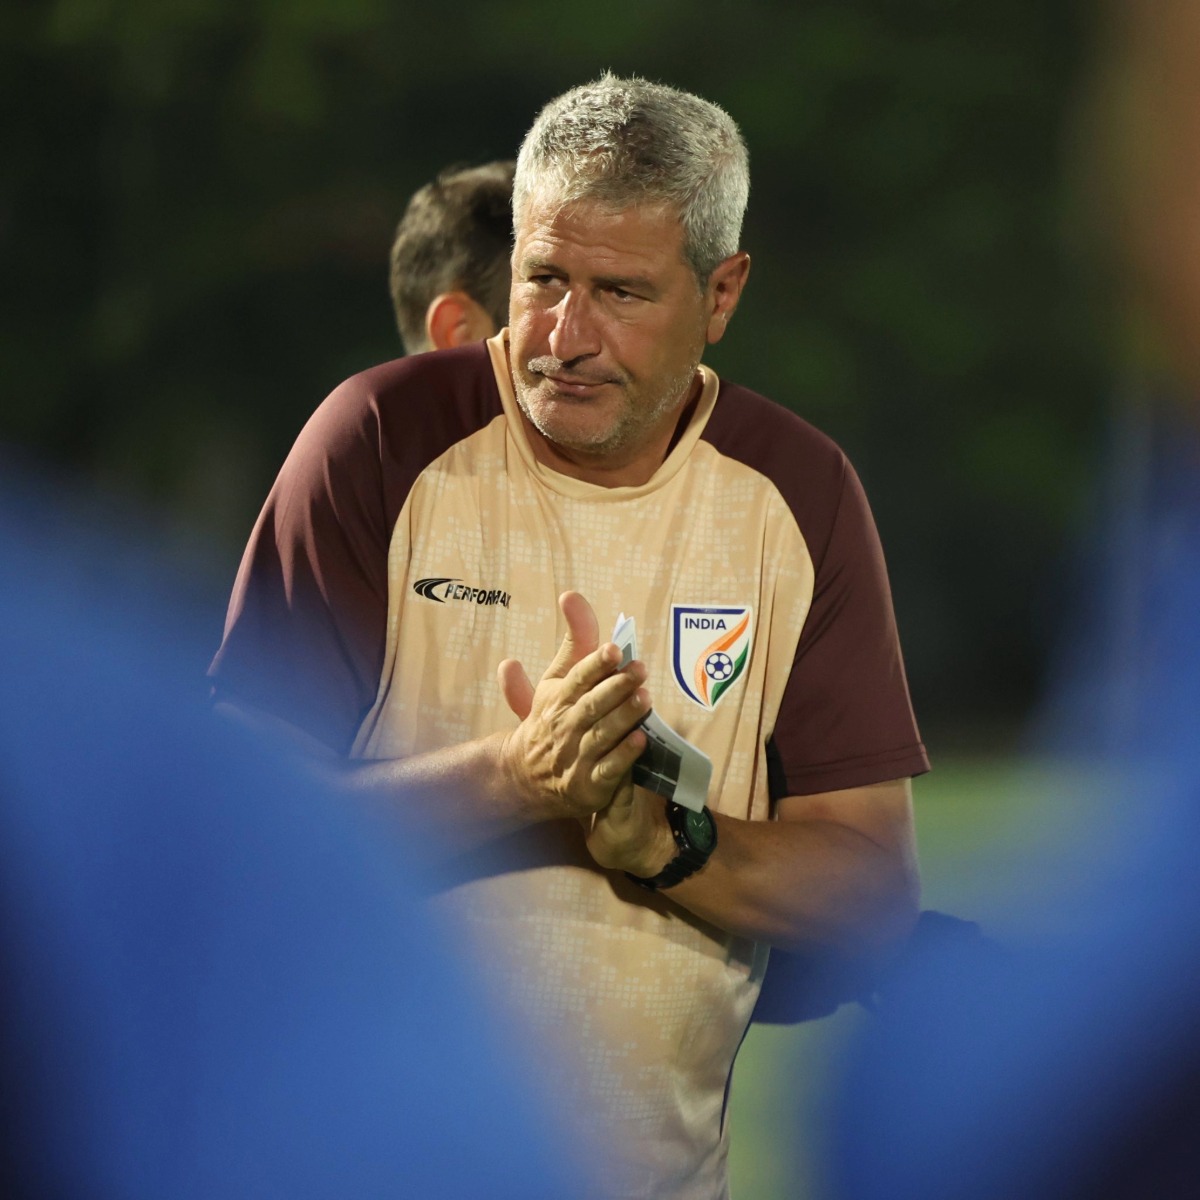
x: 622, y: 801
x: 515, y: 687
x: 582, y: 637
x: 595, y: 686
x: 603, y: 716
x: 610, y: 768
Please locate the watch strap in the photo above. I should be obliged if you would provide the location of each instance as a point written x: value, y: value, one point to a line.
x: 689, y: 857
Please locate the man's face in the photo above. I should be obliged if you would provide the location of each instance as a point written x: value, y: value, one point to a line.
x: 607, y: 325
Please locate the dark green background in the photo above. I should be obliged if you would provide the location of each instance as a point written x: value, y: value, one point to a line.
x: 197, y: 197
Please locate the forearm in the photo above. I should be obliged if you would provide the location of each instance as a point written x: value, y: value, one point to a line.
x: 576, y: 741
x: 460, y: 797
x: 836, y: 872
x: 805, y: 885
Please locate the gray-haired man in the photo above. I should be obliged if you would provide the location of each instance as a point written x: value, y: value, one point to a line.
x: 434, y: 508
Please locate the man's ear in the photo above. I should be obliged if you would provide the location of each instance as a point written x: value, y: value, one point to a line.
x: 724, y: 290
x: 453, y: 319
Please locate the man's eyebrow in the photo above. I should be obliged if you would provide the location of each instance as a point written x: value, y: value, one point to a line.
x: 629, y: 283
x: 540, y: 264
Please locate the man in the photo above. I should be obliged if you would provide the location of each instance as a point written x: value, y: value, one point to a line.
x: 429, y: 515
x: 449, y: 273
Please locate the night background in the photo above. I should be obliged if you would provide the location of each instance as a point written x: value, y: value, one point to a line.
x: 197, y: 202
x: 197, y: 199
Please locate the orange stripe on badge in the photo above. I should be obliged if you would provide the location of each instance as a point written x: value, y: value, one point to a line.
x: 722, y: 643
x: 730, y: 637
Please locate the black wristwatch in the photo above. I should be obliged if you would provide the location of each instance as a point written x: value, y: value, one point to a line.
x: 695, y: 835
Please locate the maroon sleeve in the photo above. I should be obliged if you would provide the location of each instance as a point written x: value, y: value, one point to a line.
x: 304, y: 637
x: 846, y: 718
x: 306, y: 631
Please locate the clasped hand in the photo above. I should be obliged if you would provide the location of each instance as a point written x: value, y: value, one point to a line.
x: 579, y: 736
x: 573, y: 752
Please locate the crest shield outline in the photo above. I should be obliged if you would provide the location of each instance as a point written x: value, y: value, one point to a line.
x: 710, y: 648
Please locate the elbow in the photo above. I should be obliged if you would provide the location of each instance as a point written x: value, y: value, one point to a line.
x: 886, y: 919
x: 897, y: 913
x: 869, y: 921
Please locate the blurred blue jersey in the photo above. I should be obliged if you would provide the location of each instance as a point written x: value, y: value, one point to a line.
x: 216, y: 980
x: 1073, y: 1071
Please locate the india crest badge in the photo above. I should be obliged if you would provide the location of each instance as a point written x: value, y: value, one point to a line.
x: 709, y: 649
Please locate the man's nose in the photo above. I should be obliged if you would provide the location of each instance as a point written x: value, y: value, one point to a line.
x: 576, y: 333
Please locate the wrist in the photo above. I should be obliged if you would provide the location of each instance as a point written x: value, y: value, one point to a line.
x: 657, y: 850
x: 694, y: 835
x: 517, y: 790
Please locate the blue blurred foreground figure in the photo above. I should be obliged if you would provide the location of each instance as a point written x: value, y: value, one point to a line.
x: 213, y: 985
x: 1074, y: 1073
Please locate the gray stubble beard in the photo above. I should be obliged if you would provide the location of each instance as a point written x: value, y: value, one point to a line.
x: 620, y: 437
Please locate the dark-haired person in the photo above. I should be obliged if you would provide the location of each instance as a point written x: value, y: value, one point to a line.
x: 449, y: 274
x: 445, y: 518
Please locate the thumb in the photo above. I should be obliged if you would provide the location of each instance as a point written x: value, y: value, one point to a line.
x: 582, y: 636
x: 515, y: 687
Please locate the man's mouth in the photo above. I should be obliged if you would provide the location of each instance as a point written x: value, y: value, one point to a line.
x: 565, y: 383
x: 574, y: 385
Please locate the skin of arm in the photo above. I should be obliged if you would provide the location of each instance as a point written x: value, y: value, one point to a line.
x: 834, y: 870
x: 573, y: 750
x: 837, y: 870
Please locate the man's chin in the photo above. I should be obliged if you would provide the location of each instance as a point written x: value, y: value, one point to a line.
x: 580, y: 437
x: 565, y: 420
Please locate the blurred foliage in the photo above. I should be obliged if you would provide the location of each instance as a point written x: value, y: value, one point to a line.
x: 198, y: 197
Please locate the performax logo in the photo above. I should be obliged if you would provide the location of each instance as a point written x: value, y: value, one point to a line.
x: 442, y: 590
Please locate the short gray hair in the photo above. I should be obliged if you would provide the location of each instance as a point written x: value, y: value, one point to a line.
x: 623, y: 142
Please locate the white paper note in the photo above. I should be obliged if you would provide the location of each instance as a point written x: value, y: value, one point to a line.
x: 670, y: 765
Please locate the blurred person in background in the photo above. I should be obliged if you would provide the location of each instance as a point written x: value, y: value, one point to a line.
x: 449, y: 274
x: 426, y: 520
x: 216, y: 979
x: 1073, y: 1071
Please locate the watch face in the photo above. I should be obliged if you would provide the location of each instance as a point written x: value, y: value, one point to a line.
x: 700, y: 830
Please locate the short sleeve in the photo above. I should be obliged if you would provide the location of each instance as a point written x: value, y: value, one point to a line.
x: 304, y: 635
x: 846, y: 719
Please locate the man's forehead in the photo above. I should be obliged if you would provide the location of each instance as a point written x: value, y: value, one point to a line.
x: 548, y: 205
x: 634, y: 229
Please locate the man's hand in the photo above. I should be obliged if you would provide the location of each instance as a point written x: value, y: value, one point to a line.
x: 578, y: 737
x: 631, y: 833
